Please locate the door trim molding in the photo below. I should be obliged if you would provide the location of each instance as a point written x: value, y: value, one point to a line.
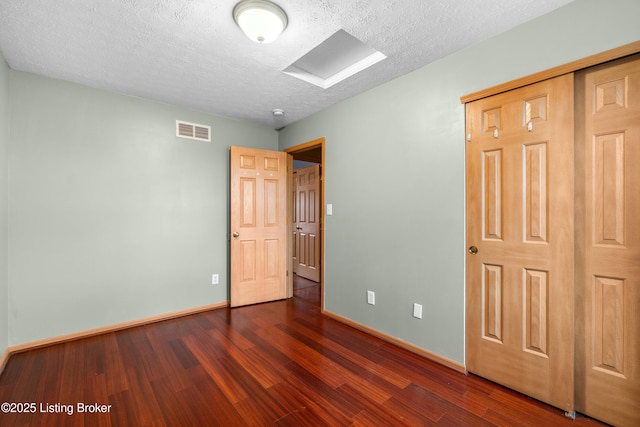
x: 570, y: 67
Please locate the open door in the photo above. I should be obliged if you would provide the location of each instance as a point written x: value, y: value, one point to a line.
x: 306, y: 223
x: 258, y: 226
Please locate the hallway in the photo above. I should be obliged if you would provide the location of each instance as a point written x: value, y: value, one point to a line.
x: 306, y: 290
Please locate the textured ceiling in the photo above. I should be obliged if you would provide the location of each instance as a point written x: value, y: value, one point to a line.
x: 191, y: 53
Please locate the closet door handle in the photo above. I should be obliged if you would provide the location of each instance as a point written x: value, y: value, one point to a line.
x: 473, y: 250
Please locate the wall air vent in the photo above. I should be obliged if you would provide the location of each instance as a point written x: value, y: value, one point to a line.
x: 193, y: 131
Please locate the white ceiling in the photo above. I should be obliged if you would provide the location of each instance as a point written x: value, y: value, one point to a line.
x: 191, y: 53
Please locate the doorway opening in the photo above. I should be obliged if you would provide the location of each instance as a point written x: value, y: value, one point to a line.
x: 309, y: 289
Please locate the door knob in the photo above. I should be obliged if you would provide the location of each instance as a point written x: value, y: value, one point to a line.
x: 236, y: 234
x: 473, y: 250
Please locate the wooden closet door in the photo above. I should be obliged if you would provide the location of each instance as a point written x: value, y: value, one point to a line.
x: 520, y: 237
x: 608, y: 262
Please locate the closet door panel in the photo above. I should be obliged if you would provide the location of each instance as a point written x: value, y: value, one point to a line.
x: 520, y: 236
x: 608, y: 276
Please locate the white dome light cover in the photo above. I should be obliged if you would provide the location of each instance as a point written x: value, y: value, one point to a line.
x: 261, y: 20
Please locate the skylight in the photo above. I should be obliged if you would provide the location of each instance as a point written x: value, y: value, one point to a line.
x: 334, y: 60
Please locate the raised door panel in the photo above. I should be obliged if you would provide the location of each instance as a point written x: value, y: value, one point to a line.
x: 492, y: 307
x: 536, y: 193
x: 535, y: 321
x: 492, y: 195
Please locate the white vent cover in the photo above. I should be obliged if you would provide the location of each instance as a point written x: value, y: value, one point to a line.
x: 193, y: 131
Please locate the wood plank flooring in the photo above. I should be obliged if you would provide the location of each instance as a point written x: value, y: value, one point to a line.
x: 306, y: 290
x: 274, y: 364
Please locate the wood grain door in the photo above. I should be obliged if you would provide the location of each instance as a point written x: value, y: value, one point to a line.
x: 258, y: 225
x: 608, y: 270
x: 306, y: 230
x: 520, y: 239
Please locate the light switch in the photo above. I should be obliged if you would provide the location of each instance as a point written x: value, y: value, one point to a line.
x: 371, y: 297
x: 417, y: 311
x: 329, y: 209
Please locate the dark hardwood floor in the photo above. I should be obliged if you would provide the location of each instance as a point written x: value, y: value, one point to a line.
x: 280, y: 363
x: 306, y: 290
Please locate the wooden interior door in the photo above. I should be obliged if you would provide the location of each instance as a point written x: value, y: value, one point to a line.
x: 258, y: 225
x: 520, y: 236
x: 608, y: 270
x: 306, y: 230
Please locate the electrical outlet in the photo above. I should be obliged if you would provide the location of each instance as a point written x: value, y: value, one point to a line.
x: 215, y: 279
x: 417, y: 311
x: 371, y: 297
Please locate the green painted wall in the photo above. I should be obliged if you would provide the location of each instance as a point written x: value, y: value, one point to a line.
x: 113, y: 218
x: 395, y: 173
x: 4, y: 201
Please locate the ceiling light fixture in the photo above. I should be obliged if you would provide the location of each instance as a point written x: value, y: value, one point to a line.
x: 261, y: 20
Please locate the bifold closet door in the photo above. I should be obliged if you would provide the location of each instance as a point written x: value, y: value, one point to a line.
x: 608, y: 242
x: 520, y: 239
